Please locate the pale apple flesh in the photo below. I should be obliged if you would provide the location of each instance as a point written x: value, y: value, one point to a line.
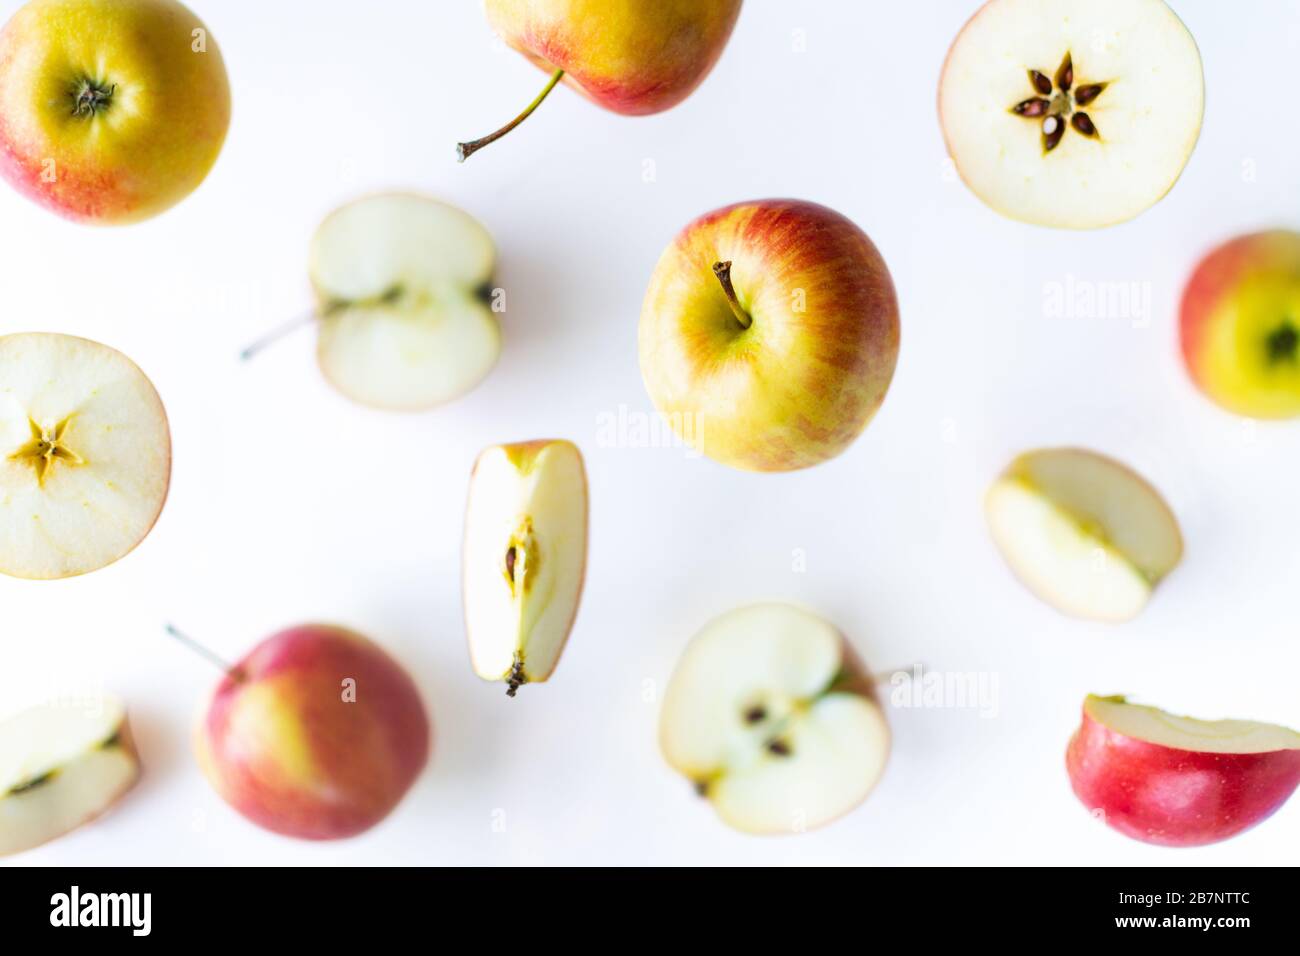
x: 1072, y: 113
x: 524, y: 559
x: 1240, y: 325
x: 769, y: 334
x: 110, y: 112
x: 1083, y: 532
x: 770, y: 716
x: 85, y: 455
x: 1176, y: 781
x: 62, y: 765
x: 317, y: 734
x: 403, y: 288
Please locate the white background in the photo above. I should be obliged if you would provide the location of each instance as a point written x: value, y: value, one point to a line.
x: 288, y: 503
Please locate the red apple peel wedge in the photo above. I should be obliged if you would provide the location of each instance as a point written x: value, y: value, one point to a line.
x: 1177, y: 781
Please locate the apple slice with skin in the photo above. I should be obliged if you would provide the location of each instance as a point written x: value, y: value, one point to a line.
x: 403, y: 286
x: 1177, y: 781
x: 525, y: 558
x: 1083, y: 532
x: 85, y: 455
x: 1072, y: 113
x: 772, y: 717
x: 62, y: 766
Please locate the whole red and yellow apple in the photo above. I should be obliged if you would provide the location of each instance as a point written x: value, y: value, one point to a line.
x: 769, y: 334
x: 111, y: 111
x: 317, y: 733
x: 1241, y: 325
x: 628, y: 56
x: 1176, y: 781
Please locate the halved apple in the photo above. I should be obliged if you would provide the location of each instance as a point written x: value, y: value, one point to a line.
x: 1072, y: 113
x: 61, y: 766
x: 1177, y: 781
x: 772, y: 717
x: 403, y: 285
x: 85, y: 455
x: 525, y: 558
x: 1083, y: 532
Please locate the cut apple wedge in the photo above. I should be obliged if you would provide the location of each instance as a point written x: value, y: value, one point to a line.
x: 403, y: 285
x: 1072, y: 113
x: 525, y: 558
x: 61, y: 766
x: 770, y: 715
x: 1083, y: 532
x: 1177, y: 781
x: 85, y: 455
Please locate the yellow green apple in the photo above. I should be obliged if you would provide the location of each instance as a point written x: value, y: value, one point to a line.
x: 317, y: 733
x: 769, y: 334
x: 111, y: 111
x: 628, y: 56
x: 1240, y: 325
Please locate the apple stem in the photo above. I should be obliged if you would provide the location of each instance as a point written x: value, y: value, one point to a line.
x: 723, y: 271
x: 234, y: 673
x: 276, y: 334
x: 465, y: 150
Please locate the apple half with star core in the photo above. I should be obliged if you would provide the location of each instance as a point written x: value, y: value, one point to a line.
x: 85, y: 455
x: 628, y: 56
x: 317, y: 733
x: 403, y: 289
x: 1085, y: 533
x: 62, y: 765
x: 1240, y: 325
x: 1177, y: 781
x: 1076, y: 114
x: 525, y: 558
x: 111, y: 111
x: 772, y: 717
x: 769, y: 334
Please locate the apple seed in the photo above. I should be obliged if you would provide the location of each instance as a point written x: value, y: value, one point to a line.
x: 1062, y: 106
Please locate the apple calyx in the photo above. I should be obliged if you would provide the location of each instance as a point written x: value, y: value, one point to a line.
x: 90, y: 98
x: 723, y: 271
x: 465, y: 150
x: 1283, y: 343
x: 46, y: 447
x: 1058, y: 101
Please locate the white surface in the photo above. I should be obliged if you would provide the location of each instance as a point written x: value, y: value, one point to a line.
x: 288, y: 503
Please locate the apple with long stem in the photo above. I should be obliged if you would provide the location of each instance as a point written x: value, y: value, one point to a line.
x: 85, y: 455
x: 772, y: 717
x: 403, y: 287
x: 628, y: 56
x: 525, y: 558
x: 111, y: 111
x: 316, y: 733
x: 62, y: 765
x: 769, y: 334
x: 1177, y: 781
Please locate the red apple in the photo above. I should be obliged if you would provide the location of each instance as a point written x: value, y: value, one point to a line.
x: 629, y: 56
x: 1240, y: 325
x: 111, y: 111
x: 769, y: 334
x: 317, y: 733
x: 1175, y: 781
